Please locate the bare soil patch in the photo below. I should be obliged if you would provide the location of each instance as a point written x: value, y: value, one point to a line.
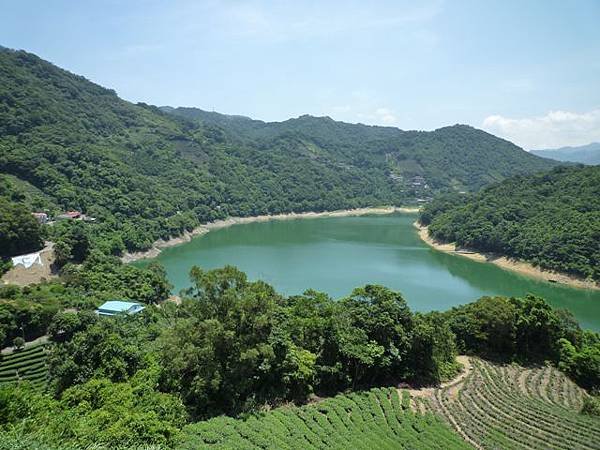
x: 21, y: 276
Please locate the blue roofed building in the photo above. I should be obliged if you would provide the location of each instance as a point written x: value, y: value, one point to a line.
x: 114, y: 307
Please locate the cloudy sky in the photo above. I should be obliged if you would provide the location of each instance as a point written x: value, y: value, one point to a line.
x: 528, y: 71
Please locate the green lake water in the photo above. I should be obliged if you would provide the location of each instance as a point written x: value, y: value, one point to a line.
x: 334, y: 255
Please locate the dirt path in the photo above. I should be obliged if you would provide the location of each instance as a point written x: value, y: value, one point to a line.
x: 454, y: 384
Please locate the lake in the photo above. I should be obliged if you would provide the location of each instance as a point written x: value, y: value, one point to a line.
x: 334, y: 255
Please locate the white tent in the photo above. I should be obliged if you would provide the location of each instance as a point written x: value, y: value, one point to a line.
x: 27, y: 260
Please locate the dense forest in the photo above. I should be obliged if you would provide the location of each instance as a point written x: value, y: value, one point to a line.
x: 235, y: 347
x: 457, y: 157
x: 551, y: 220
x: 144, y: 173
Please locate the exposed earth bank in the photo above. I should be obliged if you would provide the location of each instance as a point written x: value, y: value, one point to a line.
x: 513, y: 264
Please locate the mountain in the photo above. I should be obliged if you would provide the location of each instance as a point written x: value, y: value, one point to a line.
x: 146, y: 173
x: 550, y: 219
x: 457, y: 157
x: 585, y: 154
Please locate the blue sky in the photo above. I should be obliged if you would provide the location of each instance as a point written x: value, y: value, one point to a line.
x: 525, y: 70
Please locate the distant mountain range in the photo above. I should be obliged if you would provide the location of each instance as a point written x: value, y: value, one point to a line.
x: 585, y: 154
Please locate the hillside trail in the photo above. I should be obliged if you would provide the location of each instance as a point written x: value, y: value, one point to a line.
x: 453, y: 383
x: 453, y: 386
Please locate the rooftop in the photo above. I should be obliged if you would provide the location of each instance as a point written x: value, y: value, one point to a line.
x: 113, y: 307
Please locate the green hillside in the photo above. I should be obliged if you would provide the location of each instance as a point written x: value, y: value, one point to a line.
x: 379, y: 418
x: 550, y: 219
x: 459, y: 156
x: 146, y: 174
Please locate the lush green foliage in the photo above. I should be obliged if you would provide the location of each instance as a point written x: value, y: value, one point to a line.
x: 145, y: 174
x: 456, y: 157
x: 591, y: 406
x: 111, y: 415
x: 235, y: 347
x: 365, y: 420
x: 582, y: 361
x: 550, y: 219
x: 27, y: 311
x: 240, y: 344
x: 527, y: 330
x: 20, y: 232
x: 106, y: 278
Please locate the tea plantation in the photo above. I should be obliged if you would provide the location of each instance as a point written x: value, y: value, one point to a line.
x: 380, y: 418
x: 28, y: 364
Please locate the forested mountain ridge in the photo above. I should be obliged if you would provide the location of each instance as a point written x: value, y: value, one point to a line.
x: 549, y: 219
x: 67, y: 143
x: 457, y: 157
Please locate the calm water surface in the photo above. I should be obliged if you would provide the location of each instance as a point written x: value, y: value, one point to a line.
x: 334, y: 255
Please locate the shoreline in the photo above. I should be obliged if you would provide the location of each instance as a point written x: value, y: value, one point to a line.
x: 187, y: 236
x: 514, y: 265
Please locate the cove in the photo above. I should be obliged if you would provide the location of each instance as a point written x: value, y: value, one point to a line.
x: 335, y: 255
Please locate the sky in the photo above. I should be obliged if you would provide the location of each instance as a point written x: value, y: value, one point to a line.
x: 528, y: 71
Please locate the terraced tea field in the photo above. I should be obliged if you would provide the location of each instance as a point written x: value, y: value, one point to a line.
x: 511, y: 407
x: 377, y: 419
x: 28, y: 364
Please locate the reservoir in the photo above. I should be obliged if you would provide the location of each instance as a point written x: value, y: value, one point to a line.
x: 335, y: 255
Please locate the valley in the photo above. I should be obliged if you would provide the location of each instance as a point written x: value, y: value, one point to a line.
x: 176, y: 278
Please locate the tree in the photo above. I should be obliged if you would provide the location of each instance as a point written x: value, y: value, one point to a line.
x: 433, y: 349
x: 537, y: 328
x: 103, y: 349
x: 20, y: 232
x: 64, y: 325
x: 222, y: 358
x: 62, y: 253
x: 486, y: 327
x: 18, y: 343
x: 373, y: 327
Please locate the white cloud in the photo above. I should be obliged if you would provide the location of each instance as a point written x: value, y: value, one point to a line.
x: 555, y: 129
x: 386, y: 116
x: 366, y: 107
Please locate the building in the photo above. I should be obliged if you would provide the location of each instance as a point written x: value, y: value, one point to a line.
x: 114, y: 307
x: 42, y: 217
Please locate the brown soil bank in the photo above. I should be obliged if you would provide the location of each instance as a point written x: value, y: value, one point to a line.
x: 21, y: 276
x: 157, y: 247
x: 513, y: 264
